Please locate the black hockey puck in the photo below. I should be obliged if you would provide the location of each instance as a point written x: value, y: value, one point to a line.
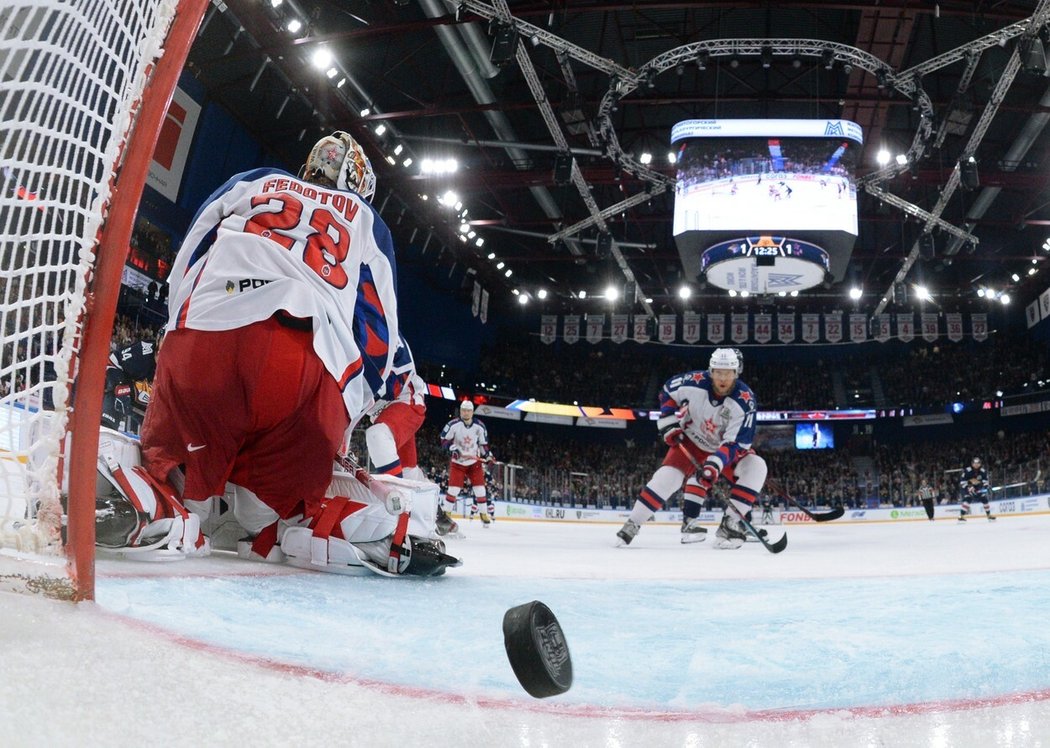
x: 537, y: 650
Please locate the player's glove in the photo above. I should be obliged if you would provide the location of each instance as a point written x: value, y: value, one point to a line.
x: 672, y: 427
x: 708, y: 475
x: 455, y: 454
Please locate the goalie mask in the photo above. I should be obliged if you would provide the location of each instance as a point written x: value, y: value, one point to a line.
x: 337, y: 160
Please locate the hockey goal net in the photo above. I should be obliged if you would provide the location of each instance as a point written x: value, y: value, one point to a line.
x: 84, y: 87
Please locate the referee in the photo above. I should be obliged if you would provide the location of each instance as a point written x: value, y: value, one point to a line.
x: 926, y: 496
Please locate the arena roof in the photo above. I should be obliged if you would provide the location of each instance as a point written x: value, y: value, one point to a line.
x: 933, y: 82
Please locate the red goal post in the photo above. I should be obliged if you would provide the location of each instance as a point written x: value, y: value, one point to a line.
x: 84, y: 89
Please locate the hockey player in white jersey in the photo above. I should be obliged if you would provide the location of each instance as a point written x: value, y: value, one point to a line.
x: 282, y: 333
x: 396, y: 417
x: 711, y: 415
x: 467, y: 440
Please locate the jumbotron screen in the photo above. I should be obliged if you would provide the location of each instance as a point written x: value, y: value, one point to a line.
x: 785, y: 177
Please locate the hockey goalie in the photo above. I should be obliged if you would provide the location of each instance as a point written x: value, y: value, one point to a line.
x: 366, y: 524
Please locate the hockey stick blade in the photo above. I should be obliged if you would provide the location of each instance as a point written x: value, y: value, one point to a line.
x: 815, y: 516
x: 775, y: 547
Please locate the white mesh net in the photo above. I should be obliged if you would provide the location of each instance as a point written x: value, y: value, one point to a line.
x: 71, y: 74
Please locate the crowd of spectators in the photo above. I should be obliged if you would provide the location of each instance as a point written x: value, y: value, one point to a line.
x: 625, y: 375
x: 1021, y: 462
x: 950, y: 372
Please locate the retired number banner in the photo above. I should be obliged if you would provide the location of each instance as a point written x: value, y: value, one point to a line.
x: 548, y: 328
x: 641, y: 328
x: 572, y: 328
x: 786, y: 327
x: 691, y: 327
x: 763, y: 327
x: 716, y: 327
x: 668, y: 328
x: 618, y: 334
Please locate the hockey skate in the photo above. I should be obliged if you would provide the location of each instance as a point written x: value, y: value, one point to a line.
x: 626, y: 533
x: 692, y: 532
x: 991, y: 518
x: 730, y: 533
x: 486, y: 520
x: 445, y: 525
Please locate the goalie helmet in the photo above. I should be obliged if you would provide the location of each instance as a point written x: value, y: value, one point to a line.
x: 337, y: 160
x: 727, y: 358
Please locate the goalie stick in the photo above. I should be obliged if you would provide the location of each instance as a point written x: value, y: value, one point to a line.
x: 774, y: 547
x: 815, y: 516
x: 399, y: 543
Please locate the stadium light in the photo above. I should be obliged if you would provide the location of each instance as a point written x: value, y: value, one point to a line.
x: 322, y: 58
x: 981, y: 293
x: 855, y: 293
x: 882, y: 157
x: 732, y: 292
x: 1005, y: 299
x: 294, y: 25
x: 583, y: 294
x: 612, y: 293
x: 542, y: 293
x: 685, y: 292
x: 646, y: 158
x: 673, y: 159
x: 523, y: 299
x: 923, y: 293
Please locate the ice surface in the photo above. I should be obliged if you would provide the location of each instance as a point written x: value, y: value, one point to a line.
x: 887, y: 634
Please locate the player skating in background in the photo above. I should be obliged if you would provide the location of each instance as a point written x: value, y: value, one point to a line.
x: 974, y: 486
x: 282, y: 332
x: 396, y: 417
x: 467, y: 439
x: 711, y: 415
x: 928, y: 497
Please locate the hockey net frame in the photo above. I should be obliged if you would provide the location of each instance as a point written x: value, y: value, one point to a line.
x: 84, y: 89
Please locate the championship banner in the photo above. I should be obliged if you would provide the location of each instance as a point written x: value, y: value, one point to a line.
x: 906, y: 326
x: 810, y: 327
x: 475, y: 299
x: 930, y: 328
x: 618, y: 334
x: 738, y: 332
x: 483, y: 313
x: 786, y: 327
x: 1031, y: 313
x: 691, y: 327
x: 716, y: 327
x: 882, y: 327
x: 572, y: 328
x: 763, y: 328
x: 1044, y: 303
x: 595, y: 327
x: 641, y: 328
x: 548, y: 328
x: 955, y: 326
x: 833, y: 327
x: 979, y: 326
x: 667, y: 328
x: 858, y: 328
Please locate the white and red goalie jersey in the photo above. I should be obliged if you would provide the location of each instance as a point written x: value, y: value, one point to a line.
x: 468, y: 443
x: 266, y: 242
